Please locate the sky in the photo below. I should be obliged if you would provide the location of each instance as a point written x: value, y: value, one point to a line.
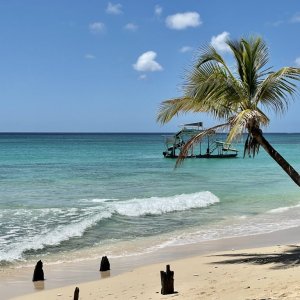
x: 105, y: 66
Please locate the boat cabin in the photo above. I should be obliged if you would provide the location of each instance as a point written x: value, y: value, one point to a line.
x: 209, y: 147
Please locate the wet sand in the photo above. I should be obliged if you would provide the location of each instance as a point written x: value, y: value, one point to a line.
x: 200, y: 271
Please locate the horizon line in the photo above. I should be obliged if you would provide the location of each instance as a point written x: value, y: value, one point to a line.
x: 117, y: 132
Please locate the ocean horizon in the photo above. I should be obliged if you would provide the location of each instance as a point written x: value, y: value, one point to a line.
x: 116, y: 132
x: 70, y: 196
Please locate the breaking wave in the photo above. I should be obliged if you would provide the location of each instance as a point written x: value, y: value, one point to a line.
x: 161, y: 205
x: 282, y: 209
x: 29, y: 229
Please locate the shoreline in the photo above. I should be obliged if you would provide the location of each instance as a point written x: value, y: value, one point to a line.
x: 17, y: 282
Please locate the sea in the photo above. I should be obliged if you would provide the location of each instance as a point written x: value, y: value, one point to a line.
x: 76, y: 196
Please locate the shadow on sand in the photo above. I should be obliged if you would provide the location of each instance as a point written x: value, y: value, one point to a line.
x: 286, y: 259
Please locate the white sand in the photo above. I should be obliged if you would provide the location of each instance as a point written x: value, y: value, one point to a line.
x: 199, y: 273
x: 200, y: 277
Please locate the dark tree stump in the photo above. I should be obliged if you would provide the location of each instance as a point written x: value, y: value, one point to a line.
x: 104, y: 265
x: 76, y: 293
x: 38, y: 273
x: 167, y: 281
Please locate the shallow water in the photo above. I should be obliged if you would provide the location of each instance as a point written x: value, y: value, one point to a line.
x: 115, y: 193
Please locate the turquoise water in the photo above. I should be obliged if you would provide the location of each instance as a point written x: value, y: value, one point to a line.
x: 116, y: 194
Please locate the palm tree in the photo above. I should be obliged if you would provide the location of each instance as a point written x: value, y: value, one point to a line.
x: 237, y: 97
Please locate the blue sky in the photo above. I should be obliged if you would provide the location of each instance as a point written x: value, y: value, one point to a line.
x: 105, y: 66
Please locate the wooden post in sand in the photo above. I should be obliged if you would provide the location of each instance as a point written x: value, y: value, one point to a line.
x: 104, y: 265
x: 76, y: 293
x: 167, y: 281
x: 38, y: 273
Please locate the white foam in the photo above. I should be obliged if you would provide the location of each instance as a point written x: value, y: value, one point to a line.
x: 161, y: 205
x: 226, y: 231
x: 282, y: 209
x: 97, y: 200
x: 32, y: 226
x: 50, y: 238
x: 102, y: 200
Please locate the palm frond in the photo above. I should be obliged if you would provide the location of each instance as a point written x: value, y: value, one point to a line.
x: 263, y: 118
x: 251, y: 56
x: 169, y: 108
x: 238, y: 124
x: 211, y: 85
x: 245, y: 120
x: 277, y: 89
x: 209, y: 54
x: 256, y: 53
x: 251, y: 146
x: 248, y: 119
x: 237, y: 49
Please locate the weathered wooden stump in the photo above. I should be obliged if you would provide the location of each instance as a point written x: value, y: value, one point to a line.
x: 38, y: 273
x: 104, y: 265
x: 76, y: 293
x: 167, y: 281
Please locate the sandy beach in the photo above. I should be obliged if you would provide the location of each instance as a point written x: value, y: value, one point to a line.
x: 240, y: 271
x: 263, y: 273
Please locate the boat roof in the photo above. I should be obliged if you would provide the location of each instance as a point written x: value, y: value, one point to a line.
x: 196, y: 124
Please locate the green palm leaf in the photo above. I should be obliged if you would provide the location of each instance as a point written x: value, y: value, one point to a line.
x: 277, y: 89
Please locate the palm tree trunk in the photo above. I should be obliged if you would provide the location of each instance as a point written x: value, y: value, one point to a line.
x: 257, y: 134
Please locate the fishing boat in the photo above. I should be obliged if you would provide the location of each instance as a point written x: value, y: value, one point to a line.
x: 212, y: 147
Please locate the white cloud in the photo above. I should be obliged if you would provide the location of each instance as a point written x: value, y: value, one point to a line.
x: 183, y: 20
x: 114, y: 9
x: 297, y: 61
x: 131, y: 27
x: 90, y: 56
x: 143, y: 77
x: 219, y: 42
x: 146, y: 63
x: 97, y: 27
x: 295, y: 18
x: 277, y: 23
x: 158, y: 10
x: 185, y: 49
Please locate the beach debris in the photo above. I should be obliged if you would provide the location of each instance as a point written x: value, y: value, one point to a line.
x: 104, y: 265
x: 76, y: 293
x: 38, y: 273
x: 167, y: 281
